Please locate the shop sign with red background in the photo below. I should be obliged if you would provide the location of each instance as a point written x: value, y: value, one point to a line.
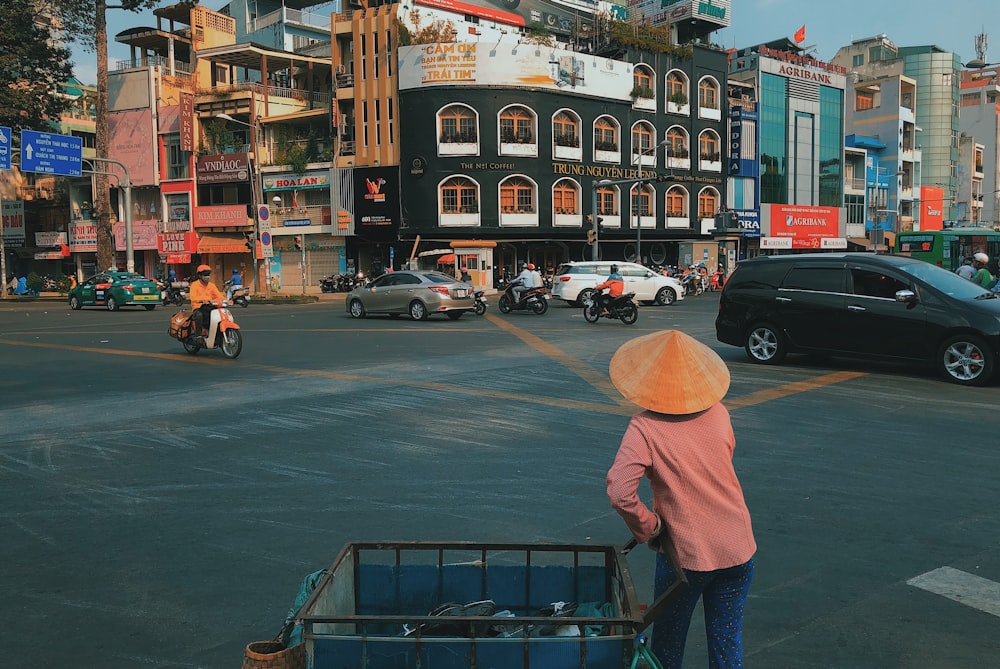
x: 807, y: 226
x: 178, y: 246
x: 221, y: 216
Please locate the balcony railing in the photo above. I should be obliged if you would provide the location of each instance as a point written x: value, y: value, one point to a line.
x: 314, y: 97
x: 180, y: 67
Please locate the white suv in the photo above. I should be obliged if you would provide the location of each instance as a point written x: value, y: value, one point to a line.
x: 575, y: 280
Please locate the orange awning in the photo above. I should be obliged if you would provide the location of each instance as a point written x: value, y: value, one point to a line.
x: 222, y: 242
x: 446, y: 259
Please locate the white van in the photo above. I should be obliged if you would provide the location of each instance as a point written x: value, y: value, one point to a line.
x: 575, y: 280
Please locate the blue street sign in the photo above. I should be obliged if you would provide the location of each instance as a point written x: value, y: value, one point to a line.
x: 49, y: 153
x: 4, y: 148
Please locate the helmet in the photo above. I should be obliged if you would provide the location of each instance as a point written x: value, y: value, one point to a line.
x: 614, y: 268
x: 204, y: 271
x: 235, y: 271
x: 530, y: 266
x: 981, y: 257
x: 171, y: 273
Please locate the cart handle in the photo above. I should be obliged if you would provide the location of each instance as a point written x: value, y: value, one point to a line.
x: 670, y: 594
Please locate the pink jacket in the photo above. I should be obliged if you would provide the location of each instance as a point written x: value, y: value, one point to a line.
x: 689, y: 463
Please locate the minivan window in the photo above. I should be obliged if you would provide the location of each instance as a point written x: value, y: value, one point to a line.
x: 945, y: 281
x: 761, y: 275
x: 875, y: 284
x: 820, y: 279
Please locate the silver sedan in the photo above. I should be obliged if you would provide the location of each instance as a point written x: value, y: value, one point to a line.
x: 416, y: 293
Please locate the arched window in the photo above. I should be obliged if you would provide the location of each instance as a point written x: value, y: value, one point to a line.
x: 565, y: 197
x: 517, y: 196
x: 676, y: 201
x: 677, y: 142
x: 677, y: 84
x: 457, y: 123
x: 459, y: 196
x: 642, y: 200
x: 605, y: 134
x: 708, y: 203
x: 642, y: 82
x: 642, y: 139
x: 517, y: 125
x: 708, y: 93
x: 708, y: 146
x: 607, y: 201
x: 566, y: 129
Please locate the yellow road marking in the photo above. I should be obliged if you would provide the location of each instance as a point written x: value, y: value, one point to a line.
x: 598, y: 380
x: 770, y: 394
x: 579, y: 405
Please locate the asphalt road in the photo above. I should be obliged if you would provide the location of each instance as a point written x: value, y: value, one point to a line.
x: 160, y: 510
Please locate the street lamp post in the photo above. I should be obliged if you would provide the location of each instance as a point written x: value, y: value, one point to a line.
x: 638, y: 199
x: 126, y: 185
x: 254, y: 178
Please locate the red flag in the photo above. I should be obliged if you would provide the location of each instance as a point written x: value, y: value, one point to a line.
x: 800, y: 35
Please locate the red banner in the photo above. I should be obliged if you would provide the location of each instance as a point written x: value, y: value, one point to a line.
x: 171, y: 243
x: 931, y: 208
x: 806, y: 225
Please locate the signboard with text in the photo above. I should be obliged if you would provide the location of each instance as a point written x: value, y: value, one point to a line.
x: 805, y: 226
x: 13, y: 222
x: 83, y: 237
x: 49, y: 153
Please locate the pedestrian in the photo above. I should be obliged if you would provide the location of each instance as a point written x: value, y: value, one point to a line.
x: 966, y: 270
x: 983, y: 276
x: 683, y: 443
x: 465, y: 277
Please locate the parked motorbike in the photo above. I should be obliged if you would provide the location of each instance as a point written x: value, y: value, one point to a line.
x: 223, y: 332
x: 622, y: 308
x: 534, y: 300
x: 480, y: 296
x: 328, y: 284
x: 718, y: 280
x: 240, y: 294
x: 173, y: 292
x: 691, y: 283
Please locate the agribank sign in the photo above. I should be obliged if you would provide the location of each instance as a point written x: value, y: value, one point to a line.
x: 803, y: 226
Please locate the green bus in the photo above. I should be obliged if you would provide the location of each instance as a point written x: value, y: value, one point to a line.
x: 946, y: 248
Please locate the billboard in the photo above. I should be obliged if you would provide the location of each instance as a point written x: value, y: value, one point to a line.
x: 376, y: 197
x: 557, y: 16
x: 472, y: 64
x: 804, y: 226
x: 931, y: 208
x: 133, y: 143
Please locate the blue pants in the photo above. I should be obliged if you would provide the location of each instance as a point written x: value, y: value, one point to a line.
x: 723, y: 593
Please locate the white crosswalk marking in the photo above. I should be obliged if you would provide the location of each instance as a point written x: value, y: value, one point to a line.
x: 975, y: 591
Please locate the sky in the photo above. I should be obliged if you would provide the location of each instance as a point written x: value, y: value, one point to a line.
x: 830, y: 24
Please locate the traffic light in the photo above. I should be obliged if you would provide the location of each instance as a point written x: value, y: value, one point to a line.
x: 298, y: 243
x: 249, y: 241
x: 591, y: 237
x: 660, y: 178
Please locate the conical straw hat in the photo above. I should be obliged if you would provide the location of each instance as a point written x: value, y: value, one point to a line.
x: 669, y: 372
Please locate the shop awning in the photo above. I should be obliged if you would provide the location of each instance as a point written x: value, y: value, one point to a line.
x: 446, y: 259
x: 860, y: 241
x: 222, y: 242
x: 435, y: 252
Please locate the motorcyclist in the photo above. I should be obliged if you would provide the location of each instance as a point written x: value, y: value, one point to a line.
x: 615, y: 285
x: 523, y: 283
x: 235, y: 283
x: 203, y: 294
x: 536, y: 276
x: 983, y: 276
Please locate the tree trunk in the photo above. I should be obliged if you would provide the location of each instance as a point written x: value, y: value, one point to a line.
x: 102, y: 191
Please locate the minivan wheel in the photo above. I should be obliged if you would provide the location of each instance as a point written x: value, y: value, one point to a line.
x: 665, y: 296
x: 765, y: 344
x: 966, y: 360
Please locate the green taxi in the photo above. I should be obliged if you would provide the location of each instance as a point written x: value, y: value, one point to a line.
x: 113, y: 289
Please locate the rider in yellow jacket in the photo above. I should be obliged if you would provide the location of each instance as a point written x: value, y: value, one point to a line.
x: 203, y: 294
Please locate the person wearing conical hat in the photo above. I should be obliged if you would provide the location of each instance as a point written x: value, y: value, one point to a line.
x: 683, y: 442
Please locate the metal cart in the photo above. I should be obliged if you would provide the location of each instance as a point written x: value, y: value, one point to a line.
x: 372, y: 608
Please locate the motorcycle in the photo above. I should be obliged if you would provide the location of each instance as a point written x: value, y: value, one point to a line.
x: 533, y: 299
x: 691, y: 283
x: 172, y: 292
x: 622, y: 308
x: 240, y: 294
x: 223, y: 332
x: 480, y: 296
x: 718, y: 280
x: 328, y: 284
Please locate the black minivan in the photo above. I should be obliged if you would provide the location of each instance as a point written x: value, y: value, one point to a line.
x: 861, y: 304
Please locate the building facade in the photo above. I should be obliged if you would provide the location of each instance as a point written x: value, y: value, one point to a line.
x: 801, y: 145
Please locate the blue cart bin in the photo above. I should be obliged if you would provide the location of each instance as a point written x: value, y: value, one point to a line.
x: 371, y: 609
